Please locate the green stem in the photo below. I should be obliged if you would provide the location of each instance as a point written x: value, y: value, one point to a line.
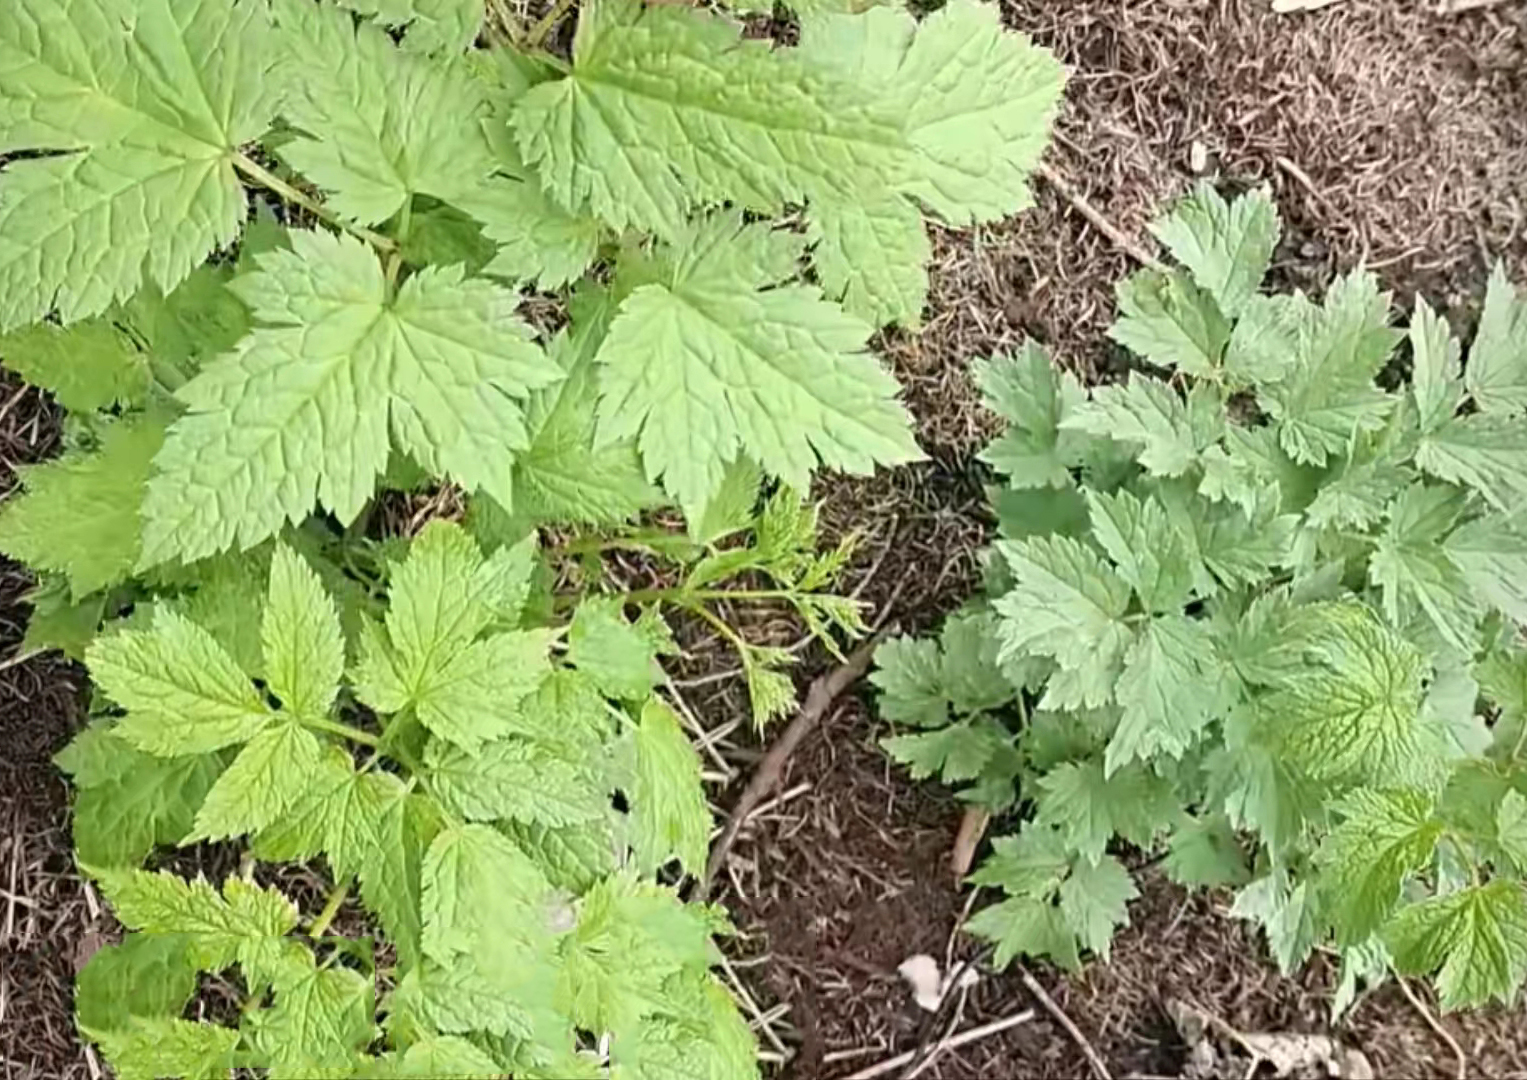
x: 691, y: 597
x: 1521, y: 741
x: 545, y: 24
x: 330, y: 909
x: 344, y: 731
x: 270, y: 181
x: 643, y: 540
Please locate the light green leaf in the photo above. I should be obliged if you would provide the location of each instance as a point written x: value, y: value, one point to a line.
x: 573, y: 857
x: 147, y: 975
x: 671, y: 819
x: 1265, y: 343
x: 90, y: 365
x: 1089, y: 807
x: 1068, y: 604
x: 1491, y: 553
x: 1171, y: 322
x: 1478, y: 938
x: 1093, y: 900
x: 611, y: 651
x: 446, y: 1057
x: 516, y: 779
x: 183, y: 693
x: 955, y: 752
x: 201, y: 317
x: 1286, y: 915
x: 1329, y: 393
x: 972, y: 676
x: 147, y: 1049
x: 1385, y: 838
x: 1411, y: 567
x: 1485, y: 451
x: 1496, y: 375
x: 1435, y: 377
x: 1204, y: 852
x: 1511, y: 829
x: 1227, y: 246
x: 1032, y: 863
x: 142, y: 111
x: 447, y: 26
x: 1151, y: 554
x: 909, y: 674
x: 1172, y: 686
x: 58, y: 623
x: 1021, y: 925
x: 270, y: 774
x: 705, y: 362
x: 1146, y: 412
x: 246, y: 924
x: 320, y: 1018
x: 406, y: 826
x: 628, y: 139
x: 537, y: 240
x: 78, y: 515
x: 382, y: 124
x: 303, y: 644
x: 440, y: 364
x: 871, y: 256
x: 127, y: 801
x: 1033, y: 396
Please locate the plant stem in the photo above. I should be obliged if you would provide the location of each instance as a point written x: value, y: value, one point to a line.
x: 330, y: 909
x: 270, y: 181
x: 345, y: 731
x: 545, y: 24
x: 644, y: 540
x: 692, y: 597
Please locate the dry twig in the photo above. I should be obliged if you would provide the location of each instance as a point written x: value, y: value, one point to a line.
x: 1095, y: 216
x: 1436, y: 1025
x: 964, y: 1038
x: 1094, y: 1059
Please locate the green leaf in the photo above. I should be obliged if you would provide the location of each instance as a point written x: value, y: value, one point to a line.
x: 1511, y: 829
x: 320, y: 1018
x: 1478, y: 938
x: 440, y: 365
x: 972, y: 676
x: 871, y: 256
x: 615, y: 655
x: 1172, y: 686
x: 269, y: 775
x: 706, y: 361
x: 516, y: 779
x: 1496, y: 375
x: 78, y: 515
x: 1411, y: 567
x: 303, y: 644
x: 446, y: 1057
x: 1093, y: 900
x: 909, y: 674
x: 382, y: 124
x: 1033, y: 396
x: 671, y: 819
x: 1329, y: 393
x: 1287, y: 915
x: 1366, y: 860
x: 1021, y: 925
x: 1227, y: 246
x: 1435, y: 372
x: 447, y: 26
x: 391, y: 885
x: 182, y: 692
x: 90, y: 365
x: 537, y: 240
x: 162, y: 1046
x: 1150, y: 553
x: 147, y: 975
x: 1171, y: 322
x: 1146, y: 412
x: 1089, y: 807
x: 1491, y: 553
x: 1032, y: 863
x: 1066, y: 603
x: 1265, y: 342
x: 127, y: 801
x: 144, y: 111
x: 629, y: 140
x: 58, y: 623
x: 1485, y: 451
x: 955, y: 752
x: 245, y: 925
x: 1204, y: 852
x: 573, y: 857
x: 1355, y: 711
x: 201, y: 317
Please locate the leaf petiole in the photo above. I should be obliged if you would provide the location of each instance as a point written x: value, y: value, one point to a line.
x: 253, y: 170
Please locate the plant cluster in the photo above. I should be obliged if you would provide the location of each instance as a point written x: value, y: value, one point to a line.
x: 1260, y: 620
x: 273, y: 257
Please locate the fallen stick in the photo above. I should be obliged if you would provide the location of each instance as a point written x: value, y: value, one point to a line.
x: 1080, y: 204
x: 1093, y: 1057
x: 825, y: 689
x: 964, y: 1038
x: 1436, y: 1025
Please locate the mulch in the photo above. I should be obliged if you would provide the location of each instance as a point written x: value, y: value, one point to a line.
x: 1390, y: 135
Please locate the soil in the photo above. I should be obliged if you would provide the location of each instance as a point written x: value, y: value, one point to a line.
x: 1391, y: 135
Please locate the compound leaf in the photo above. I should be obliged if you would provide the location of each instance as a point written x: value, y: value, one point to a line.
x: 1171, y: 322
x: 671, y: 817
x: 1094, y: 901
x: 1485, y: 451
x: 1021, y: 925
x: 1172, y: 686
x: 1476, y: 936
x: 270, y: 774
x: 1034, y: 397
x: 1385, y: 837
x: 1227, y: 246
x: 304, y: 647
x: 1496, y: 375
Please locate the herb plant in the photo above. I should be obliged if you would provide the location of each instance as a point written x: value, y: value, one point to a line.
x: 275, y: 260
x: 1260, y: 620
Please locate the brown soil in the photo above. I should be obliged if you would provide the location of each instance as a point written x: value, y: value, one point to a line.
x: 1389, y: 134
